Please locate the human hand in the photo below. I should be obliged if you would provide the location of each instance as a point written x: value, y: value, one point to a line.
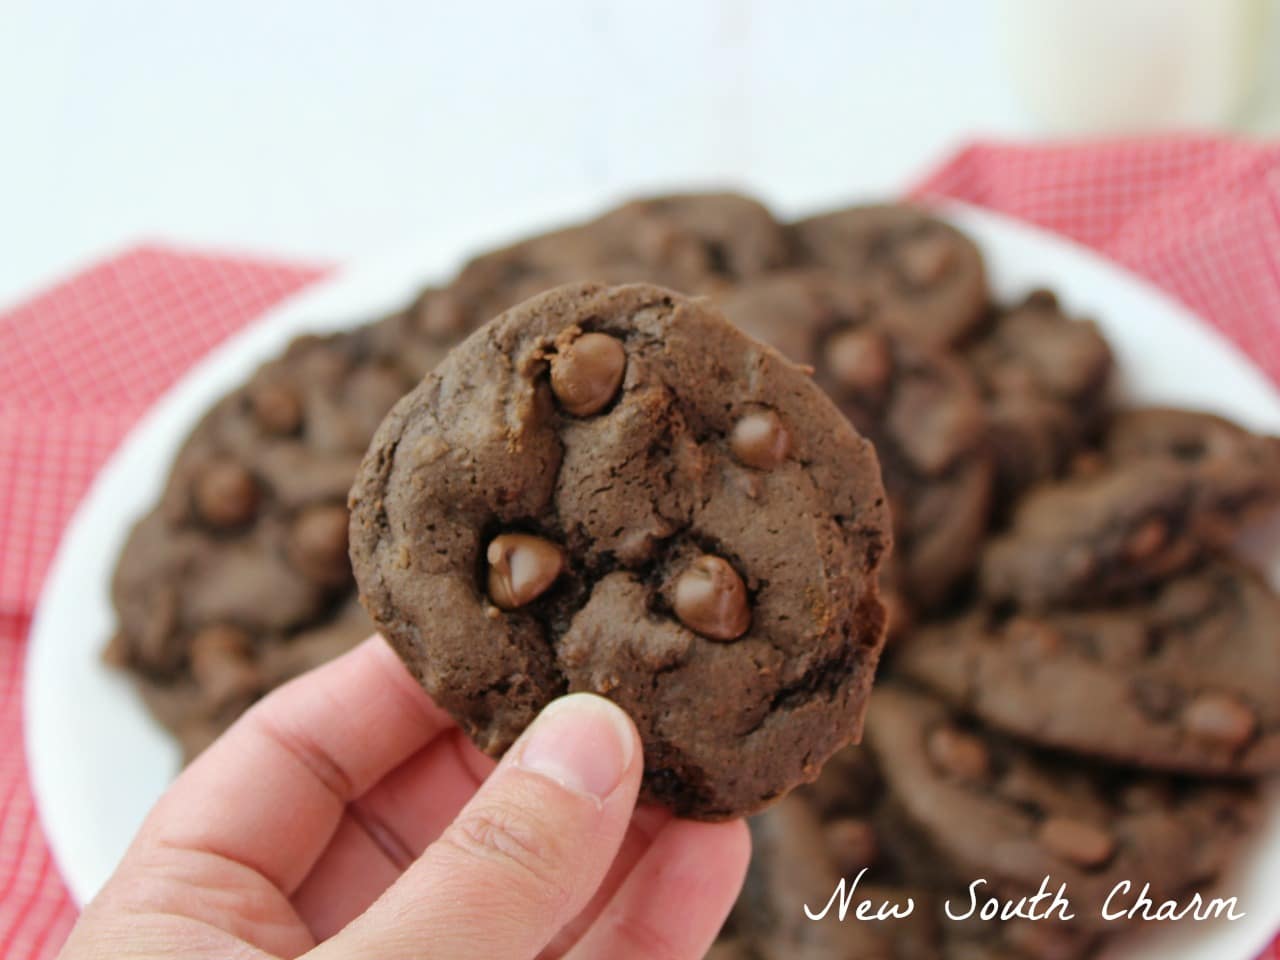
x: 346, y: 816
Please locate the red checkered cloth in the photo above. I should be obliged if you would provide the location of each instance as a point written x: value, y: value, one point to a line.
x: 78, y: 366
x: 1199, y: 217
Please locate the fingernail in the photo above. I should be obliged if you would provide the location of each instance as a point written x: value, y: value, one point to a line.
x: 583, y: 742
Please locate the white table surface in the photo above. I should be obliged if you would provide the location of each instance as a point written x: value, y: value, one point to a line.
x: 332, y: 128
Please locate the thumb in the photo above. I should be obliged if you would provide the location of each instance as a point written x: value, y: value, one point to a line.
x: 524, y: 856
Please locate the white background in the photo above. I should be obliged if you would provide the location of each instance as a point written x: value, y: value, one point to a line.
x: 333, y: 128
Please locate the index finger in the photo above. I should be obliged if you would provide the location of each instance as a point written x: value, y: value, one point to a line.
x: 271, y: 791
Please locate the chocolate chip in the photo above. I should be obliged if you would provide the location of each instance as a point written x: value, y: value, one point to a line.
x: 760, y: 440
x: 226, y: 495
x: 277, y: 408
x: 852, y: 844
x: 711, y: 599
x: 1219, y: 719
x: 318, y: 544
x: 222, y: 663
x: 521, y: 568
x: 586, y: 373
x: 859, y: 359
x: 924, y: 258
x: 1077, y: 842
x: 1147, y: 540
x: 960, y: 754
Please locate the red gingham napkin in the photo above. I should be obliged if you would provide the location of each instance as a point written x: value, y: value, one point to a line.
x: 1199, y: 217
x: 78, y: 365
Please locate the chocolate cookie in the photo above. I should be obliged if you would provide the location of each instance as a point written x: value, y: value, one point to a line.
x: 414, y: 339
x: 228, y: 668
x: 931, y: 272
x: 1094, y: 538
x: 221, y: 590
x: 694, y: 241
x: 1236, y: 472
x: 1167, y: 485
x: 613, y: 490
x: 1045, y: 379
x: 992, y: 809
x: 919, y: 407
x: 1184, y: 680
x: 689, y: 242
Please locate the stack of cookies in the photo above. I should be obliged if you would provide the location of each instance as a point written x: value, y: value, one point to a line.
x: 1081, y: 675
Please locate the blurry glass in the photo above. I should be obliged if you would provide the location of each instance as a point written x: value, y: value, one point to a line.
x: 1133, y: 66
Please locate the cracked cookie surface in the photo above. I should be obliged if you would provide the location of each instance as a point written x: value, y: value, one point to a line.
x: 614, y: 490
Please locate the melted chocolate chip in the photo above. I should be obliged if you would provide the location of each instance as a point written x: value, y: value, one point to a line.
x: 277, y: 408
x: 924, y: 258
x: 960, y: 754
x: 711, y: 599
x: 859, y: 359
x: 1077, y: 842
x: 586, y: 374
x: 521, y: 568
x: 226, y: 495
x: 760, y: 440
x: 1219, y: 719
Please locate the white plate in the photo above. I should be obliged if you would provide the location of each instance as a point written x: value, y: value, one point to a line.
x: 97, y: 759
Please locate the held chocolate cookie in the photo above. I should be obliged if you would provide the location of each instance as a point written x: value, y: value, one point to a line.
x: 919, y: 407
x: 931, y: 272
x: 1185, y: 680
x: 993, y: 809
x: 613, y: 490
